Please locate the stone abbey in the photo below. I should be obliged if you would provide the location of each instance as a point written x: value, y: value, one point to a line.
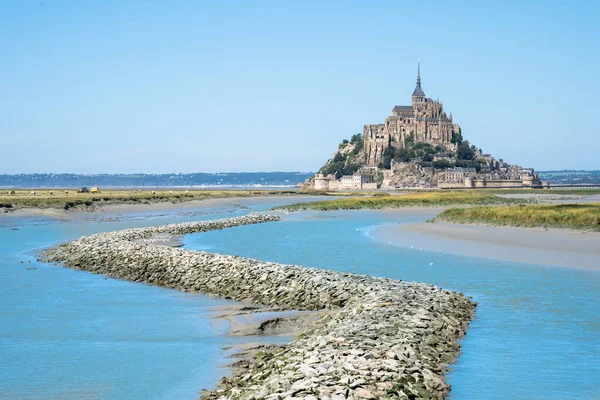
x: 418, y: 146
x: 425, y: 121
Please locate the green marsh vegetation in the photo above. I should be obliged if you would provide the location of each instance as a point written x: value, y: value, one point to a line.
x: 574, y: 216
x: 415, y: 199
x: 69, y: 198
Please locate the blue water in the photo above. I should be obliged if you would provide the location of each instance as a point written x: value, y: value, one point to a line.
x: 536, y: 334
x: 69, y: 334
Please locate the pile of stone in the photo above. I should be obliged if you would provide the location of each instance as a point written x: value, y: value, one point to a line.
x: 381, y: 338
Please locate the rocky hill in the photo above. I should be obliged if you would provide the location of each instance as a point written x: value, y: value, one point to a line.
x: 418, y: 164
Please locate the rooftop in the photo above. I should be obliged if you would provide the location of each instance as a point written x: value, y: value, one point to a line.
x: 403, y: 109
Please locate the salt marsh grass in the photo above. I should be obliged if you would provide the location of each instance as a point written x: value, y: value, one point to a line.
x: 575, y: 216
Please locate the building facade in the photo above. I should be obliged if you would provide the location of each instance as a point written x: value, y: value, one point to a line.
x: 361, y: 180
x: 423, y: 121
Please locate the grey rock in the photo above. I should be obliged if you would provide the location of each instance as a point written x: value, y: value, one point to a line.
x: 376, y: 335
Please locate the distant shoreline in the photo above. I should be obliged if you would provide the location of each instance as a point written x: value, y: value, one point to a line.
x: 165, y: 206
x: 58, y: 201
x: 161, y: 187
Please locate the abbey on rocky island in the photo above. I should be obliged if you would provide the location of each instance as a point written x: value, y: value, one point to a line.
x: 425, y: 121
x: 419, y: 146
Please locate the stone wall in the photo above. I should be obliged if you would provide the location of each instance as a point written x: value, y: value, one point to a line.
x: 383, y: 338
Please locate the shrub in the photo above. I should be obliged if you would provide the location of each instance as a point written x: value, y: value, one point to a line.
x: 441, y: 164
x: 465, y: 152
x: 388, y: 155
x: 356, y: 138
x: 405, y: 155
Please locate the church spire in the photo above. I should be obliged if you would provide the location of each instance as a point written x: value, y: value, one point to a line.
x: 418, y: 90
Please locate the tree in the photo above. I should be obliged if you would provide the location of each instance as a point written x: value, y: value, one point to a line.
x: 358, y: 146
x: 441, y: 164
x: 339, y: 157
x: 404, y: 155
x: 465, y: 152
x: 424, y: 148
x: 379, y: 178
x: 388, y: 155
x: 456, y: 137
x: 410, y: 139
x: 356, y: 138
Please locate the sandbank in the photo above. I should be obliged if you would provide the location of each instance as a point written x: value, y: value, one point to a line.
x: 558, y: 247
x: 164, y: 206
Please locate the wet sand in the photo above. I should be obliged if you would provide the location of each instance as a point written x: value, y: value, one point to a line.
x: 166, y: 206
x: 559, y: 247
x: 256, y: 320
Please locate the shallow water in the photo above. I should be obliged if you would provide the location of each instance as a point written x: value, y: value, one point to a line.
x: 536, y: 334
x: 70, y: 334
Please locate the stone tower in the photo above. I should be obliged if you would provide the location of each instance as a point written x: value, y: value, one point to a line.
x: 418, y: 95
x: 425, y: 121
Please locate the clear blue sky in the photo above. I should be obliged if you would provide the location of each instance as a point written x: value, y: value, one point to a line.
x: 205, y: 86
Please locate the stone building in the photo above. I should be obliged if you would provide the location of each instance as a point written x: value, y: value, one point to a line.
x: 459, y: 174
x: 425, y: 119
x: 359, y: 181
x: 322, y: 181
x: 468, y: 178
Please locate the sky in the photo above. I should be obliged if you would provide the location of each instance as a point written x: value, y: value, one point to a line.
x: 157, y: 86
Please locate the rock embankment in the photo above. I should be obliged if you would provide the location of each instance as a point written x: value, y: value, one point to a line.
x: 382, y: 338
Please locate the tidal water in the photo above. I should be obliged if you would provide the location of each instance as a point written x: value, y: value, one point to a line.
x: 69, y: 334
x: 536, y: 334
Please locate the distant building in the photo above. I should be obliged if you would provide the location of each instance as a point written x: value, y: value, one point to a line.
x: 424, y: 121
x: 357, y: 181
x: 459, y: 174
x: 322, y: 181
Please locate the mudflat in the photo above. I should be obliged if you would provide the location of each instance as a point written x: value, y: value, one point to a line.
x: 101, y: 210
x: 559, y: 247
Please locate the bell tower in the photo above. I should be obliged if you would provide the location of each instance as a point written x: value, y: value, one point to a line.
x: 418, y: 95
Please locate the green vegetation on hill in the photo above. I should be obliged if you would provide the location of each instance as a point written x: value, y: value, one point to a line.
x: 575, y: 216
x: 426, y: 199
x: 423, y: 153
x: 348, y: 159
